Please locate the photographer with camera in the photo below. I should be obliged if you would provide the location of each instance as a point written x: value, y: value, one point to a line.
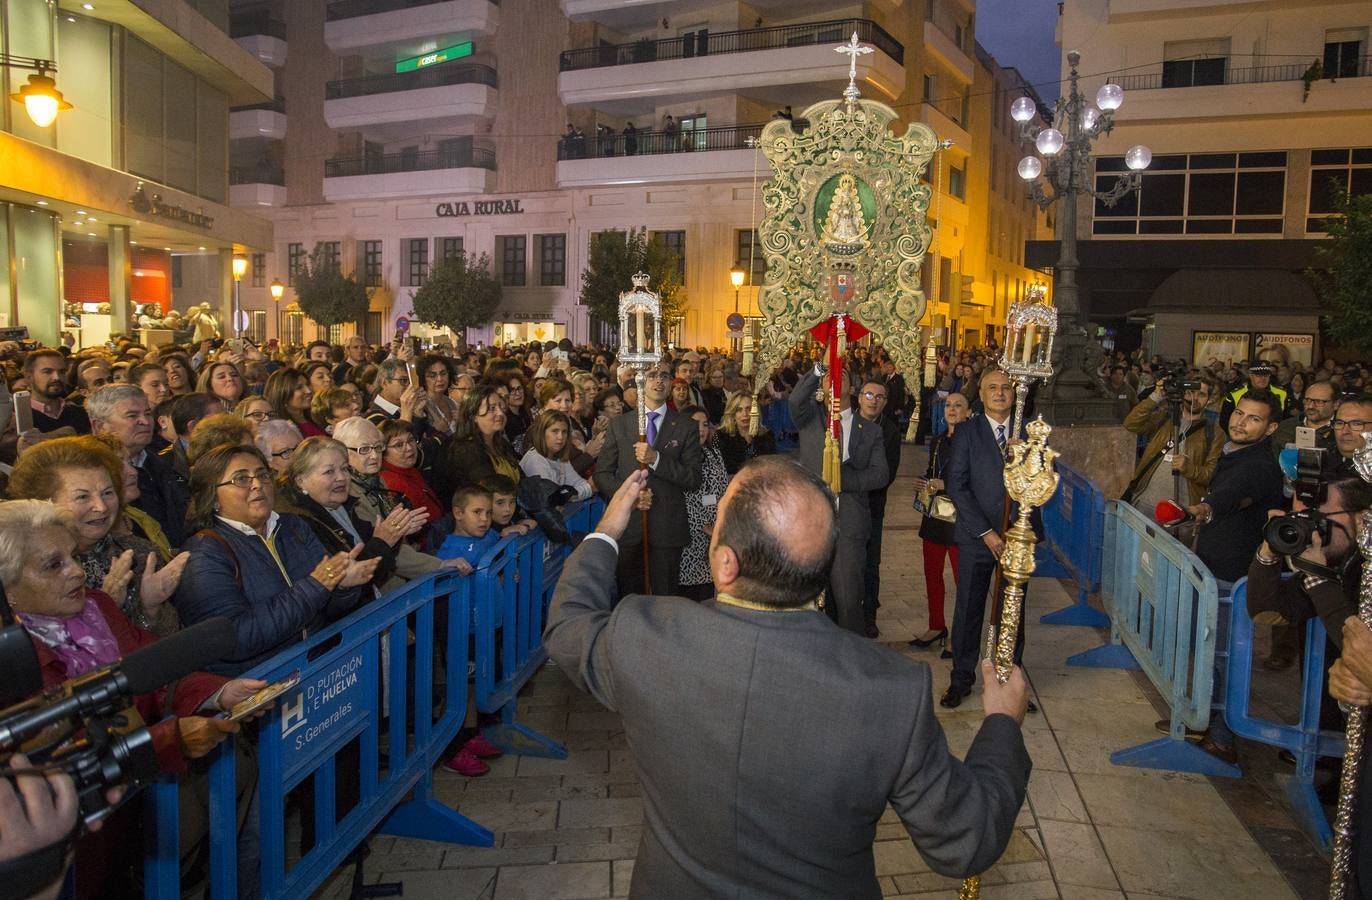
x: 1184, y: 444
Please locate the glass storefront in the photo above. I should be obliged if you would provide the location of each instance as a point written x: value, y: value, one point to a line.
x: 524, y: 332
x: 30, y: 299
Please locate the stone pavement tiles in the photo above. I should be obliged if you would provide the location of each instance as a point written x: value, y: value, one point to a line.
x: 569, y: 829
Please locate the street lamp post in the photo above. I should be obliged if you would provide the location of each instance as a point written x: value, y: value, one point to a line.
x: 278, y: 289
x: 240, y: 268
x: 1062, y: 171
x: 736, y: 277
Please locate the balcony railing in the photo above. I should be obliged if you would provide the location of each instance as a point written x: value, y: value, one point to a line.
x: 438, y: 76
x: 255, y: 22
x: 262, y: 173
x: 702, y: 43
x: 645, y: 143
x: 1251, y: 75
x: 276, y: 105
x: 351, y: 9
x: 428, y: 161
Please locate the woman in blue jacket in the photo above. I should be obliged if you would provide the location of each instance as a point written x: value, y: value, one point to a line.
x: 265, y: 571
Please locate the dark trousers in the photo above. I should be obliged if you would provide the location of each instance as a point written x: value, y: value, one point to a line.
x: 664, y: 565
x: 871, y: 575
x: 844, y: 600
x: 976, y: 571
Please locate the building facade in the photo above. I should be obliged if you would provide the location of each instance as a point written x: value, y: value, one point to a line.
x: 1257, y: 115
x: 122, y: 202
x: 406, y: 131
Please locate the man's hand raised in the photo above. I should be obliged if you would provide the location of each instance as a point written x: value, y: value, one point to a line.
x: 623, y: 505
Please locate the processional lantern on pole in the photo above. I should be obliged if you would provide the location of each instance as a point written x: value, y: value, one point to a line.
x: 640, y: 347
x: 1030, y: 327
x: 1355, y: 730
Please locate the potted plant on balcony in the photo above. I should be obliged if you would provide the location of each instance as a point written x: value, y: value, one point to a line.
x: 325, y: 294
x: 460, y: 293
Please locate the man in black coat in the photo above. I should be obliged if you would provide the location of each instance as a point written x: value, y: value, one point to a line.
x: 873, y: 405
x: 675, y: 465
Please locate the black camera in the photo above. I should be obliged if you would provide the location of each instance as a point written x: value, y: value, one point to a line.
x: 1175, y: 383
x: 1310, y: 485
x: 1290, y: 534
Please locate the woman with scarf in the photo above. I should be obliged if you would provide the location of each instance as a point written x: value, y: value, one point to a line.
x: 86, y: 478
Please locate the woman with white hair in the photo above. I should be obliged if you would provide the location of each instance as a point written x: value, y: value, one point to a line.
x: 277, y: 440
x: 374, y: 501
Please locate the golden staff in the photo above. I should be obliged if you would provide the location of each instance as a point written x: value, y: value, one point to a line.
x: 1355, y: 732
x: 1031, y: 482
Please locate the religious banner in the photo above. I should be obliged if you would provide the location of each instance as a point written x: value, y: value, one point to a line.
x: 1285, y: 349
x: 1224, y: 348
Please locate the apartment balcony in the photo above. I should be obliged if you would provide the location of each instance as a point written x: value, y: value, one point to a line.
x: 655, y: 157
x: 261, y: 35
x: 261, y: 120
x: 459, y: 94
x: 945, y: 50
x: 946, y: 127
x: 397, y: 175
x: 1256, y: 91
x: 260, y: 185
x: 787, y: 64
x: 353, y: 24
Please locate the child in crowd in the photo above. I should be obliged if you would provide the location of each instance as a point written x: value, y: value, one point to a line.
x: 504, y: 507
x: 472, y: 533
x: 472, y: 536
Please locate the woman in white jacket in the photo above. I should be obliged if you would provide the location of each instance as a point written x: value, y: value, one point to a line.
x: 550, y: 452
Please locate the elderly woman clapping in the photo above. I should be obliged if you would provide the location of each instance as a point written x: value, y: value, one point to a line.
x: 265, y: 571
x: 76, y: 630
x: 315, y: 487
x: 86, y: 478
x: 376, y: 502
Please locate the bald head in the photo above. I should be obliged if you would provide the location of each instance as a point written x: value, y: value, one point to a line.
x: 775, y: 534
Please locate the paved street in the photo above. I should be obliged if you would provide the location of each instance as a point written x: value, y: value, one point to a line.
x: 1090, y: 830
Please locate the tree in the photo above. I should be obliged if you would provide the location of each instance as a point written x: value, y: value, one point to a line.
x: 459, y: 293
x: 1345, y: 286
x: 325, y: 294
x: 616, y: 256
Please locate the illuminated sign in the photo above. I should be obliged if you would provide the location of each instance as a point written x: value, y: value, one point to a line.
x: 457, y: 51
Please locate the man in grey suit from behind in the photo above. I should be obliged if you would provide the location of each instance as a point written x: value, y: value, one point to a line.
x: 736, y: 710
x: 864, y: 470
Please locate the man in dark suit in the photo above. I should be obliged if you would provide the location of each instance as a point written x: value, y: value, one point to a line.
x: 722, y: 818
x: 874, y: 405
x: 976, y: 482
x: 864, y: 470
x: 675, y: 465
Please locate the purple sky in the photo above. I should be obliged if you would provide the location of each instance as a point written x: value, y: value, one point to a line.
x: 1019, y: 33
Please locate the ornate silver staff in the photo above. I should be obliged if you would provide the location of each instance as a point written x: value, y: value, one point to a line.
x: 1030, y: 327
x: 640, y: 346
x: 1355, y: 732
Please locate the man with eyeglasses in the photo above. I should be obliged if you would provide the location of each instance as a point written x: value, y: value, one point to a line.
x: 1318, y: 406
x: 397, y: 399
x: 675, y: 464
x: 874, y: 406
x: 1352, y: 417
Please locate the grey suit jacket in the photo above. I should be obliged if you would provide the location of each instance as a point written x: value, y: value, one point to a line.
x: 864, y: 471
x: 680, y: 467
x: 769, y: 744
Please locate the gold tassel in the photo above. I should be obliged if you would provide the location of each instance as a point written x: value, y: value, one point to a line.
x: 753, y: 419
x: 833, y: 464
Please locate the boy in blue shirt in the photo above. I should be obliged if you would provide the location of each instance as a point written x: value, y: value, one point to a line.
x: 472, y: 533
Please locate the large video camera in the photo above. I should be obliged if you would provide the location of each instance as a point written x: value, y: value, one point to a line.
x: 1290, y: 534
x: 1175, y: 383
x: 81, y: 726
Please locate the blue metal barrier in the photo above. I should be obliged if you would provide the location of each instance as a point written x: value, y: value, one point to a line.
x: 1074, y: 523
x: 387, y: 647
x: 1164, y: 618
x: 1304, y: 739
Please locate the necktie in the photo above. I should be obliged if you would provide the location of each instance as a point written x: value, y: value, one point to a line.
x: 652, y: 428
x: 1000, y: 438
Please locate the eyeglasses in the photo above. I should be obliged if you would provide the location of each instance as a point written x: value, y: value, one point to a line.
x: 244, y: 480
x: 403, y: 379
x: 872, y: 395
x: 1354, y: 424
x: 658, y: 376
x: 368, y: 449
x: 516, y: 389
x: 401, y: 444
x: 258, y: 416
x: 283, y: 454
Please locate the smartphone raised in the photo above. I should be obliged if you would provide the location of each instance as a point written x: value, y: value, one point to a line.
x: 23, y: 411
x: 250, y: 705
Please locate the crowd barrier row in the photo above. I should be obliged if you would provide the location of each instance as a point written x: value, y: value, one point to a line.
x: 1074, y: 524
x: 369, y: 681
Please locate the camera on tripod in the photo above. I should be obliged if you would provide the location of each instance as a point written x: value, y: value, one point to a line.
x: 1175, y: 384
x: 1290, y: 534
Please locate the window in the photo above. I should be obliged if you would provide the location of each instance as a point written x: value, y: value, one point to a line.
x: 295, y: 260
x: 552, y: 260
x: 511, y: 250
x: 929, y: 10
x: 295, y: 329
x: 945, y: 278
x: 331, y: 254
x: 371, y: 327
x: 417, y: 261
x: 1203, y: 193
x: 676, y: 242
x: 1343, y: 53
x: 176, y: 272
x: 957, y: 182
x: 1191, y: 63
x: 452, y: 248
x: 749, y: 250
x: 928, y: 96
x: 371, y: 263
x: 409, y: 159
x: 693, y: 132
x: 259, y: 270
x: 257, y: 326
x: 1334, y: 173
